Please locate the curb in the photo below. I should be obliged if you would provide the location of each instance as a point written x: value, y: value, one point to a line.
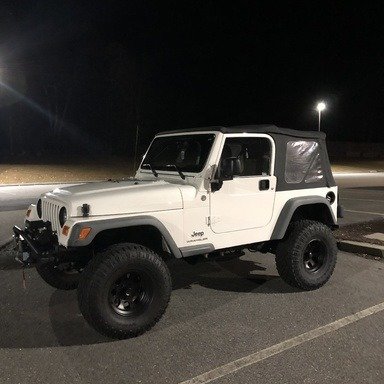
x: 358, y: 247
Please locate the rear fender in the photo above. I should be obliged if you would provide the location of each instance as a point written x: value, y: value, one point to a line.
x: 311, y: 207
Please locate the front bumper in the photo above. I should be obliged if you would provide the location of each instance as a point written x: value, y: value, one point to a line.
x: 35, y: 244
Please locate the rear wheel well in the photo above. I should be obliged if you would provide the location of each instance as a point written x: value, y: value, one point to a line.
x: 317, y: 212
x: 147, y: 235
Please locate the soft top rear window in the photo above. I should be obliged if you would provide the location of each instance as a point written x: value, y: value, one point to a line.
x: 303, y: 162
x: 188, y: 153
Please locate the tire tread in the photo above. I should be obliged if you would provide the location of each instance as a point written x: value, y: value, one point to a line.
x: 98, y: 270
x: 289, y: 251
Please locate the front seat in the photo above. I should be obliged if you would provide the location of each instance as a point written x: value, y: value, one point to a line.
x: 239, y: 153
x: 233, y: 151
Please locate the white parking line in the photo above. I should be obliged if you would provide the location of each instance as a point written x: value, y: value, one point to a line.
x: 368, y: 213
x: 256, y: 357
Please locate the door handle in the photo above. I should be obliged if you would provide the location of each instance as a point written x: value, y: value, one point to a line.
x: 264, y: 185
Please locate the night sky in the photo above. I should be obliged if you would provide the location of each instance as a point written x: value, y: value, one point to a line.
x: 88, y: 73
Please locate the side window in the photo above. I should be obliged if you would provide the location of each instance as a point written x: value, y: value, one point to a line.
x: 252, y: 154
x: 303, y: 162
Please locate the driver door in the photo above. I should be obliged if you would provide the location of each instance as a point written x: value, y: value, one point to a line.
x: 247, y: 201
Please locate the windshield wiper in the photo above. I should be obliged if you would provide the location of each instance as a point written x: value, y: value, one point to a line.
x: 177, y: 169
x: 151, y: 168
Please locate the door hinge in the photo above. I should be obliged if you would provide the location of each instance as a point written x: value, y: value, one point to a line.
x: 208, y: 220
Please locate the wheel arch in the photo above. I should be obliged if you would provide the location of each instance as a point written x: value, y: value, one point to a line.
x: 306, y: 207
x: 125, y: 229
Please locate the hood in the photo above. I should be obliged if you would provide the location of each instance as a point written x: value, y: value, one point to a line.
x: 119, y: 197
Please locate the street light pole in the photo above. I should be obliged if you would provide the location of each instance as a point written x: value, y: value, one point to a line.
x: 320, y: 107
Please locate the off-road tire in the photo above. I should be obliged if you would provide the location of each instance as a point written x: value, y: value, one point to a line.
x: 292, y: 252
x: 58, y: 278
x: 101, y: 275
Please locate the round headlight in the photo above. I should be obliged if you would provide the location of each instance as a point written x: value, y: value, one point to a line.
x: 62, y: 216
x: 39, y: 209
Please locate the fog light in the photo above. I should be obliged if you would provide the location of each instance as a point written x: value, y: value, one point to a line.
x: 84, y: 233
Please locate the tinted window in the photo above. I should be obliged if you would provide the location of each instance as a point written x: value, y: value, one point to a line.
x: 188, y: 152
x: 303, y: 162
x: 253, y: 155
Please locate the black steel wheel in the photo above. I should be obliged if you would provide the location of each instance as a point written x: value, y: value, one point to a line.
x: 131, y: 294
x: 124, y: 290
x: 315, y: 256
x: 306, y: 257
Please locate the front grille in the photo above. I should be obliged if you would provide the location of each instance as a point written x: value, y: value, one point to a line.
x: 51, y: 213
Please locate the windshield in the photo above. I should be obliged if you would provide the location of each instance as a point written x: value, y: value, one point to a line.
x: 188, y: 153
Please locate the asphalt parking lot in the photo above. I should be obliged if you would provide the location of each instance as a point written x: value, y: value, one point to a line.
x: 219, y: 312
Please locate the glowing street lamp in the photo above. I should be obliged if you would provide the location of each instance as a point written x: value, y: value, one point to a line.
x: 320, y: 107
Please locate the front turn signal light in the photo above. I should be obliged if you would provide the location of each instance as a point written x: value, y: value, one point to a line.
x: 84, y: 233
x: 28, y: 212
x: 65, y: 230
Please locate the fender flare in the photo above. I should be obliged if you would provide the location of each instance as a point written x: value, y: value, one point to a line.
x: 289, y: 209
x: 101, y: 225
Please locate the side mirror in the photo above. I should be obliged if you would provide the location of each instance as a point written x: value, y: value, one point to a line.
x: 225, y: 171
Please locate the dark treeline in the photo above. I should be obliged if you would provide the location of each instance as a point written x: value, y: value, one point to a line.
x: 83, y: 78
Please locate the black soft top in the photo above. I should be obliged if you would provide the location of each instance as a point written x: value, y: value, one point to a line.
x: 260, y: 128
x: 299, y: 163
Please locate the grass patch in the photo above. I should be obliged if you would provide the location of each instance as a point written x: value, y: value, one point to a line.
x: 78, y: 170
x: 64, y: 173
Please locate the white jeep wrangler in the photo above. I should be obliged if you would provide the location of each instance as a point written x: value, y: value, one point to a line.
x: 198, y: 192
